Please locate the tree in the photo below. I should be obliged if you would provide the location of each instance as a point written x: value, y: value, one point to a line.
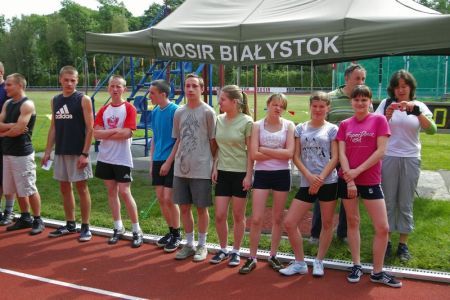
x: 58, y: 41
x: 442, y: 6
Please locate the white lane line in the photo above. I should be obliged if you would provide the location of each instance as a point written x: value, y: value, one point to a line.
x: 70, y: 285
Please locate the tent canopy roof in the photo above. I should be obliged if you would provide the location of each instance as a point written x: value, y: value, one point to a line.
x: 285, y: 31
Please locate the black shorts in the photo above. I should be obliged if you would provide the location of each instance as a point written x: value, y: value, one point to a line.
x: 118, y: 173
x: 157, y: 180
x: 1, y: 169
x: 326, y: 193
x: 368, y: 192
x: 279, y: 180
x: 229, y: 184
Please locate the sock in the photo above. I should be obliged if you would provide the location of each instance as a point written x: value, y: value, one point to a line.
x: 224, y: 250
x: 301, y: 262
x: 202, y: 239
x: 135, y: 227
x: 176, y: 232
x: 84, y: 226
x: 9, y: 205
x: 36, y: 217
x: 71, y: 224
x: 190, y: 238
x: 171, y: 229
x: 253, y: 257
x: 118, y: 224
x: 235, y: 251
x: 25, y: 215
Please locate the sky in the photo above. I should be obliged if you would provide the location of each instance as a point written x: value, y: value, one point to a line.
x: 16, y: 8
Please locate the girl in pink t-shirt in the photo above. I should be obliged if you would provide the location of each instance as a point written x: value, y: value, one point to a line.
x: 362, y: 143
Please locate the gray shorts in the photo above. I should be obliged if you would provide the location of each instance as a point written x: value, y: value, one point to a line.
x: 65, y: 169
x: 19, y: 175
x: 192, y: 191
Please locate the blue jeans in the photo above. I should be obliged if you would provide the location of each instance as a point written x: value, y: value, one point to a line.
x: 316, y: 227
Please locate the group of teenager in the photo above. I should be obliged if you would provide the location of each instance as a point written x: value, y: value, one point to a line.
x: 339, y: 153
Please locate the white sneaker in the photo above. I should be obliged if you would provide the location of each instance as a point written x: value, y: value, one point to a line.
x: 200, y: 253
x: 318, y: 268
x: 313, y: 241
x: 295, y: 268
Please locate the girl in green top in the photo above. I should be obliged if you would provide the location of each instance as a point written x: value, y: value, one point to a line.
x: 232, y: 170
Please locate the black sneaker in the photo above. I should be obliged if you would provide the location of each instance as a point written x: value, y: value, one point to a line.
x: 21, y: 223
x: 275, y: 263
x: 249, y: 265
x: 173, y: 244
x: 388, y: 252
x: 355, y: 274
x: 38, y: 226
x: 162, y: 242
x: 403, y: 252
x: 219, y: 257
x: 386, y: 279
x: 117, y: 234
x: 62, y: 230
x: 7, y: 218
x: 137, y: 240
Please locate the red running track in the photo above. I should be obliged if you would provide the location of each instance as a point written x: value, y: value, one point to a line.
x: 148, y: 272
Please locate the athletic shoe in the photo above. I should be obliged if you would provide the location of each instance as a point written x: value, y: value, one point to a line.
x: 275, y: 263
x: 388, y: 252
x: 403, y: 252
x: 386, y: 279
x: 21, y: 223
x: 162, y: 242
x: 313, y: 240
x: 1, y: 215
x: 7, y: 218
x: 117, y: 235
x: 62, y: 230
x: 355, y: 274
x: 295, y: 268
x: 249, y: 265
x: 185, y: 252
x: 200, y: 253
x: 38, y: 226
x: 235, y: 259
x: 173, y: 244
x: 318, y: 268
x: 219, y: 257
x: 85, y: 234
x: 138, y: 239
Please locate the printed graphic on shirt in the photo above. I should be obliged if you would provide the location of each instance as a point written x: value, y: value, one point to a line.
x: 189, y: 142
x: 63, y: 113
x: 357, y: 137
x: 112, y: 121
x: 313, y: 150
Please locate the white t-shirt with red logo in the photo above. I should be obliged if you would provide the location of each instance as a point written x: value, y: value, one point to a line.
x: 360, y: 139
x: 116, y: 152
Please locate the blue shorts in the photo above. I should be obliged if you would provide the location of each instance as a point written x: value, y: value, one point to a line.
x: 368, y: 192
x: 279, y: 180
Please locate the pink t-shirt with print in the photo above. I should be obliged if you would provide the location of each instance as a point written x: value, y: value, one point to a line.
x: 360, y: 139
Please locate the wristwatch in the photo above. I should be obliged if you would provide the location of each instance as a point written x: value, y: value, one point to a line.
x: 85, y: 154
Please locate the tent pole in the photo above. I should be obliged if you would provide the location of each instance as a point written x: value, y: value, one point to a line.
x: 446, y: 75
x: 438, y: 71
x: 333, y: 76
x: 238, y: 76
x: 210, y: 86
x: 255, y: 92
x: 312, y: 76
x: 380, y: 76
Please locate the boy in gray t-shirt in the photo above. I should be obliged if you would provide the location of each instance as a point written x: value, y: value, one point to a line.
x: 193, y: 127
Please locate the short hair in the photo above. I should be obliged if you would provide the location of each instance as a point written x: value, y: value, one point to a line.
x: 409, y: 80
x: 320, y: 96
x: 118, y: 77
x: 18, y: 78
x: 162, y: 86
x: 352, y: 67
x: 278, y: 96
x: 68, y: 70
x: 200, y: 79
x: 236, y: 93
x: 361, y: 90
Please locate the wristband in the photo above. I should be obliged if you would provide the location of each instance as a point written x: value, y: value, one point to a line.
x: 85, y: 154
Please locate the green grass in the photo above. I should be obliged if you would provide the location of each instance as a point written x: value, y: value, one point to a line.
x: 427, y: 243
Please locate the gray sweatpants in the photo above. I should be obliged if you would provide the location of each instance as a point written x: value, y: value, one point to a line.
x: 400, y: 176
